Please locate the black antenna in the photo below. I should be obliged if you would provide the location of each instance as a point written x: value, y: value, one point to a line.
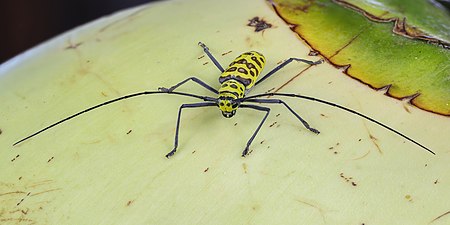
x: 340, y: 107
x: 205, y: 98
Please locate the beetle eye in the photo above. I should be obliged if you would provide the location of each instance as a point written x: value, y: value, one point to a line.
x: 235, y: 105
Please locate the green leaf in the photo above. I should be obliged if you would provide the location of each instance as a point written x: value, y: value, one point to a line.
x: 375, y: 55
x: 422, y: 19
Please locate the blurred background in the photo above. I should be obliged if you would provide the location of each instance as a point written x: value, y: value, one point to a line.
x: 26, y: 23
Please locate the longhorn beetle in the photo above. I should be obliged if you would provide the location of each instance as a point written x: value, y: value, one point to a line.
x: 236, y: 82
